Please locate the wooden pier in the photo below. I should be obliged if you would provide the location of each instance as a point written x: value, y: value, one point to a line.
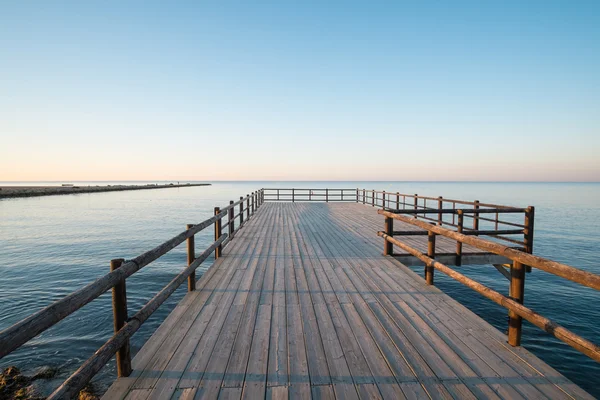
x: 301, y: 302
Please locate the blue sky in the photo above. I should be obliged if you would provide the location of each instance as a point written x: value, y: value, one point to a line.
x: 314, y: 90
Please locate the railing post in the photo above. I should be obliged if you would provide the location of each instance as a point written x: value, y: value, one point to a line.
x: 397, y: 200
x: 219, y: 249
x: 517, y: 291
x: 388, y: 247
x: 383, y: 200
x: 247, y: 206
x: 241, y: 210
x: 293, y: 195
x: 191, y: 256
x: 440, y: 205
x: 476, y: 217
x: 119, y: 304
x: 461, y: 221
x: 342, y: 194
x: 416, y: 204
x: 528, y: 231
x: 277, y: 194
x: 373, y: 197
x: 252, y: 206
x: 364, y: 196
x: 326, y: 195
x: 454, y: 209
x: 357, y: 195
x: 430, y: 253
x: 231, y: 224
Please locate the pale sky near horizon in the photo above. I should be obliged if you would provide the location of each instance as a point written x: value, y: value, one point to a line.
x: 454, y: 90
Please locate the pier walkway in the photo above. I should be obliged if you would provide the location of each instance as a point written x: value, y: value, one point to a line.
x: 303, y: 304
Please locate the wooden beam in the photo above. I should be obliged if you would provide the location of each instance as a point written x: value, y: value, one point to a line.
x: 502, y: 270
x: 431, y: 253
x: 191, y: 256
x: 119, y: 305
x: 517, y: 293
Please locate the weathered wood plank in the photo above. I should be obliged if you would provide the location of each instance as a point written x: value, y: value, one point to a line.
x: 297, y: 357
x: 230, y: 393
x: 278, y: 351
x: 184, y: 394
x: 317, y: 363
x: 277, y: 393
x: 256, y: 375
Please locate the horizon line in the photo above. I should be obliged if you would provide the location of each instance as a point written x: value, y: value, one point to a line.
x: 291, y: 180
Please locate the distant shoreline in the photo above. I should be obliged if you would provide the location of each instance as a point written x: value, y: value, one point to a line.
x: 36, y: 191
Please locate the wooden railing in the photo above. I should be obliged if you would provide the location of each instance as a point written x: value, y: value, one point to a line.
x: 455, y: 215
x: 294, y: 194
x: 520, y: 259
x: 20, y: 333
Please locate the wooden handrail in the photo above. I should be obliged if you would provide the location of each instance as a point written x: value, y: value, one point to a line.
x: 579, y: 343
x: 564, y: 271
x: 296, y: 195
x: 13, y: 337
x: 479, y: 232
x: 419, y: 209
x: 430, y: 210
x: 95, y: 363
x: 306, y: 194
x: 347, y: 190
x: 472, y: 203
x: 493, y: 220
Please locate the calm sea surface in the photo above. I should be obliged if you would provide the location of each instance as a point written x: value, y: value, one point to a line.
x: 50, y: 246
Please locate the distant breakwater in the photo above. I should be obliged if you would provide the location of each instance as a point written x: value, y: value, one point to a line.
x: 34, y: 191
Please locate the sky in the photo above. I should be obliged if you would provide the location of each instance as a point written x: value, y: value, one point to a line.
x: 276, y: 90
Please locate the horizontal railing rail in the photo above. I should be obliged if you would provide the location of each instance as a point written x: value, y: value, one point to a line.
x: 520, y: 259
x: 20, y: 333
x: 464, y: 210
x: 374, y: 193
x: 307, y: 194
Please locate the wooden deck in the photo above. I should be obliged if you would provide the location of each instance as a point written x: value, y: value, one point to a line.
x: 303, y: 304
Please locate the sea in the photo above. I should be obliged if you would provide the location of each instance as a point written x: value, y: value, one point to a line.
x: 51, y: 246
